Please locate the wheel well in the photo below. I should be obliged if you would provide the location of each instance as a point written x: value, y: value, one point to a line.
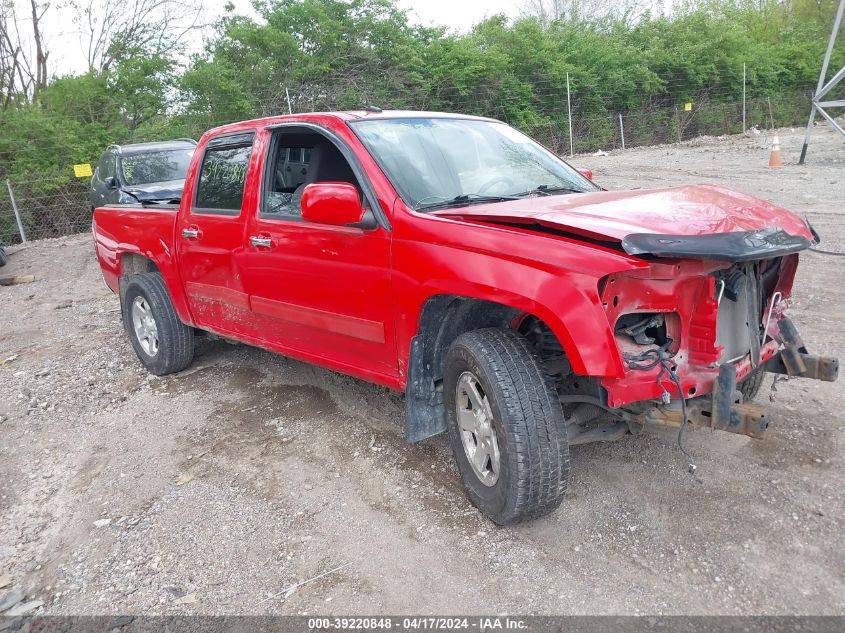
x: 133, y: 263
x: 443, y: 319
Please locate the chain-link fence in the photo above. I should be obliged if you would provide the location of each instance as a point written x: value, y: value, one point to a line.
x: 59, y: 205
x: 45, y: 208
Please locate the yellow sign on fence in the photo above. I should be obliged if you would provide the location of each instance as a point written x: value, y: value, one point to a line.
x: 687, y: 107
x: 82, y: 171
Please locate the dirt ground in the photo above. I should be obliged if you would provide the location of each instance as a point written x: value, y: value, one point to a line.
x: 217, y: 490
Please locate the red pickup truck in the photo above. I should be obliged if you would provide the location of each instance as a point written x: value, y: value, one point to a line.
x: 519, y: 306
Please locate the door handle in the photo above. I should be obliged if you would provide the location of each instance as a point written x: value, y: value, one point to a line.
x: 191, y: 233
x: 261, y: 242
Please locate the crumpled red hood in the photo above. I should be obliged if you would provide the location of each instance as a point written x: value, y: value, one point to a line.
x: 689, y: 210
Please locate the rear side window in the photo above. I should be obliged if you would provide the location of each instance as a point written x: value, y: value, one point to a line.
x: 223, y: 174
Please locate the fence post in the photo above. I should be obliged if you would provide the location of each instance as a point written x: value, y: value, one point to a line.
x: 622, y: 131
x: 771, y: 116
x: 743, y: 97
x: 15, y: 209
x: 678, y: 124
x: 569, y: 114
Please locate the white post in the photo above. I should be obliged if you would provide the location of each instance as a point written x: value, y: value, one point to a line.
x: 622, y: 131
x: 771, y: 116
x: 743, y: 97
x: 15, y: 209
x: 569, y: 114
x: 287, y: 96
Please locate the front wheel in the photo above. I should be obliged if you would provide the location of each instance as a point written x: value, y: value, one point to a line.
x: 163, y: 343
x: 750, y: 386
x: 504, y: 426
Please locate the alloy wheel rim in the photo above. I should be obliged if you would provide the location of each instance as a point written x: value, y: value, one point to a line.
x: 145, y: 326
x: 476, y: 428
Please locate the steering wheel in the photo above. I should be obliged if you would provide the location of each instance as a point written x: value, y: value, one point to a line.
x: 493, y: 181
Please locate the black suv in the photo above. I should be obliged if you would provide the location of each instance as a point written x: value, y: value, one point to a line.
x: 141, y: 172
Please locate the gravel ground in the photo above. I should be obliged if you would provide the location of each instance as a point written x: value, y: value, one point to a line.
x: 216, y: 491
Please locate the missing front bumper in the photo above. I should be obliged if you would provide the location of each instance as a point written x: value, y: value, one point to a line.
x: 724, y: 410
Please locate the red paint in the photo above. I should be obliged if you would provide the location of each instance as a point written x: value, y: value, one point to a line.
x: 587, y: 173
x: 350, y: 299
x: 690, y: 210
x: 335, y: 203
x: 371, y: 331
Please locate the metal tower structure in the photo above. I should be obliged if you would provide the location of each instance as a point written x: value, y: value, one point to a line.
x: 825, y: 87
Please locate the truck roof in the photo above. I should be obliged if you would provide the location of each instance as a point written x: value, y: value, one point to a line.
x: 345, y: 115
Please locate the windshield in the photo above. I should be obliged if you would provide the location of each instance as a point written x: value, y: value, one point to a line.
x: 142, y: 169
x: 441, y: 162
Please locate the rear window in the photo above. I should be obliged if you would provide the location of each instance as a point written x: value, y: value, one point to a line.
x: 143, y: 169
x: 223, y: 173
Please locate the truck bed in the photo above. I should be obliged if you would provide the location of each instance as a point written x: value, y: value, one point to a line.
x: 150, y: 229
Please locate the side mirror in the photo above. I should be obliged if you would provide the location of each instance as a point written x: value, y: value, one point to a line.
x: 587, y: 173
x: 110, y: 182
x: 333, y: 203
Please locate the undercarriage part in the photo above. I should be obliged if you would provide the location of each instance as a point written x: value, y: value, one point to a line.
x: 824, y: 368
x: 795, y: 361
x: 576, y: 435
x: 744, y: 419
x: 724, y: 395
x: 583, y: 413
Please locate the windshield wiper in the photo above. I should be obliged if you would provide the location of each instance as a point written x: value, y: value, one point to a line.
x: 462, y: 200
x: 549, y: 190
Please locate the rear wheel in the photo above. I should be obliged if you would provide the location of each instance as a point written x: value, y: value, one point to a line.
x: 504, y: 417
x: 163, y: 343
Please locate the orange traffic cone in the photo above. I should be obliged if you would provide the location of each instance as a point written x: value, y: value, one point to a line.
x: 774, y: 157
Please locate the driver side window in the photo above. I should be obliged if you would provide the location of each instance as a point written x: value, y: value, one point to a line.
x: 299, y: 158
x: 288, y: 175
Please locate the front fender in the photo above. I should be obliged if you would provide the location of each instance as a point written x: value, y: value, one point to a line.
x: 553, y: 278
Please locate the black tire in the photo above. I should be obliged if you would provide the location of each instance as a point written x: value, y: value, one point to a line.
x: 3, y: 257
x: 526, y: 412
x: 175, y: 339
x: 750, y: 386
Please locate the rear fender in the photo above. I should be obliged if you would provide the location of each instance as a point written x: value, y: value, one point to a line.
x: 132, y: 261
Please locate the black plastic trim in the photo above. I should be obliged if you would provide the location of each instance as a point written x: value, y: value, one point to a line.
x: 735, y: 247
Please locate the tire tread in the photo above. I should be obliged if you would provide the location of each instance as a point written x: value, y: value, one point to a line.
x: 176, y: 340
x: 750, y: 387
x: 534, y: 416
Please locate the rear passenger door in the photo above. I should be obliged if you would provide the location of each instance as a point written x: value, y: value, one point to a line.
x: 210, y: 235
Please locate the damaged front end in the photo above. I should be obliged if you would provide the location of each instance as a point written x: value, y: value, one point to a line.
x: 690, y: 329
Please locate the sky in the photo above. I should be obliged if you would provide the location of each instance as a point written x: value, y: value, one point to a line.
x: 67, y: 56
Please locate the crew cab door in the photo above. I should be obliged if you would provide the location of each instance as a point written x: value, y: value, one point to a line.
x: 318, y: 292
x: 210, y: 234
